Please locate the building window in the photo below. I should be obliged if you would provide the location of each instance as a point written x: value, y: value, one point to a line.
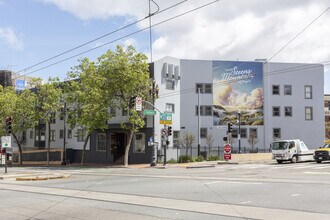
x: 81, y: 135
x: 308, y: 113
x: 124, y: 112
x: 61, y: 134
x: 62, y: 114
x: 176, y: 139
x: 205, y: 88
x: 31, y: 134
x: 203, y: 133
x: 254, y: 132
x: 113, y: 111
x: 69, y: 133
x: 276, y: 89
x: 287, y: 90
x: 53, y: 118
x: 243, y: 133
x: 52, y: 135
x: 288, y: 111
x: 169, y: 84
x: 308, y: 92
x: 205, y: 110
x: 101, y: 142
x: 276, y: 111
x: 276, y: 133
x: 169, y: 108
x: 139, y: 143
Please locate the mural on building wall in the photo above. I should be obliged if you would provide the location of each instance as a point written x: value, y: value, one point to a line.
x: 237, y: 86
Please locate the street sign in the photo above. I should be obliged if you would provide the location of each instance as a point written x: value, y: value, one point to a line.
x: 164, y: 131
x: 149, y: 112
x: 227, y: 152
x: 138, y: 104
x: 165, y: 118
x: 227, y: 148
x: 5, y: 141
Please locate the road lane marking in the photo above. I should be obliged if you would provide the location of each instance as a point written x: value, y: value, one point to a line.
x: 249, y: 212
x: 232, y: 182
x: 247, y: 202
x: 315, y: 172
x: 294, y: 195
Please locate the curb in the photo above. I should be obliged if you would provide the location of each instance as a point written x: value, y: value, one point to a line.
x: 36, y: 178
x: 199, y: 166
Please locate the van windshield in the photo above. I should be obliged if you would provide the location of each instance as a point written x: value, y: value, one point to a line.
x: 280, y: 145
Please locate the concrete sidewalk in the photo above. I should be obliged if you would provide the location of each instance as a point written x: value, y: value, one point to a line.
x: 58, y: 172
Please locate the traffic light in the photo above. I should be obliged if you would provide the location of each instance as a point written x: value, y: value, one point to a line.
x: 229, y: 130
x: 8, y: 125
x: 169, y: 131
x: 132, y: 102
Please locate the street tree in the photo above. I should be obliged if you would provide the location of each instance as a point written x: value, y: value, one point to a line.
x: 252, y: 138
x: 48, y: 103
x: 188, y: 139
x: 127, y: 75
x: 209, y: 141
x: 87, y: 100
x: 20, y: 107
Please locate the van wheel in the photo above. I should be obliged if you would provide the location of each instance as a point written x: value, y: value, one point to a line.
x: 318, y: 161
x: 279, y: 161
x: 294, y: 159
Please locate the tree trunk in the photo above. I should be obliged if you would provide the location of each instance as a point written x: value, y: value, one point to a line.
x: 130, y: 137
x: 20, y: 153
x: 48, y: 144
x: 187, y: 150
x: 84, y: 149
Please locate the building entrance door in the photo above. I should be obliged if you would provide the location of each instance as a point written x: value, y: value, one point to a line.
x: 117, y: 147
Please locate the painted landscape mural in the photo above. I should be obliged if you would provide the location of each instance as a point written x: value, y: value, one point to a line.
x: 237, y: 87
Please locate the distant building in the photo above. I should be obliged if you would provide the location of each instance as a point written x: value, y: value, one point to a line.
x: 272, y: 100
x: 19, y: 82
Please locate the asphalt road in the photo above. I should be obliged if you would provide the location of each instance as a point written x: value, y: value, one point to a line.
x: 237, y: 191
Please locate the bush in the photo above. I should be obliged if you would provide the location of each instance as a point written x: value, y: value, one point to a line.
x: 199, y: 159
x: 171, y: 161
x: 185, y: 159
x: 213, y: 158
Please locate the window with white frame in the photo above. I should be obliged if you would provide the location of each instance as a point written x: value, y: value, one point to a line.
x: 308, y: 113
x: 101, y: 142
x: 205, y: 110
x: 287, y: 90
x: 31, y: 134
x: 112, y: 111
x: 139, y: 143
x: 308, y: 92
x: 276, y: 89
x: 53, y: 118
x: 169, y: 107
x: 69, y: 133
x: 204, y: 88
x: 288, y: 111
x: 169, y: 84
x: 124, y: 112
x: 203, y: 133
x: 52, y: 135
x: 276, y: 111
x: 81, y: 135
x: 243, y: 133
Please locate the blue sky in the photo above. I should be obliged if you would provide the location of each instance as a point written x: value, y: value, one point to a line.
x: 34, y: 30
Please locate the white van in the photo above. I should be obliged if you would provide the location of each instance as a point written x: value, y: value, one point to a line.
x: 291, y: 150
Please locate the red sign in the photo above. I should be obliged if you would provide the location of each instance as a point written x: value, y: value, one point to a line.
x: 227, y: 148
x: 227, y: 156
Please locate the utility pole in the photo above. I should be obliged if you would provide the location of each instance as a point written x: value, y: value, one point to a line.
x: 239, y: 131
x: 150, y: 37
x: 199, y: 124
x: 64, y: 133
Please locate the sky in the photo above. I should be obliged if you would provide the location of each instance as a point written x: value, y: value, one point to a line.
x: 32, y: 31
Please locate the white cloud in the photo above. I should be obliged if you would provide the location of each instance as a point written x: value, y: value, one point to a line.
x: 9, y: 36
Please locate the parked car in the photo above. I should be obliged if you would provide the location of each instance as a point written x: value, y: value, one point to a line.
x: 322, y: 154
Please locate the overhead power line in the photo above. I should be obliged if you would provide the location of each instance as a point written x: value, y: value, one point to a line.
x: 298, y: 34
x: 125, y: 36
x: 103, y: 36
